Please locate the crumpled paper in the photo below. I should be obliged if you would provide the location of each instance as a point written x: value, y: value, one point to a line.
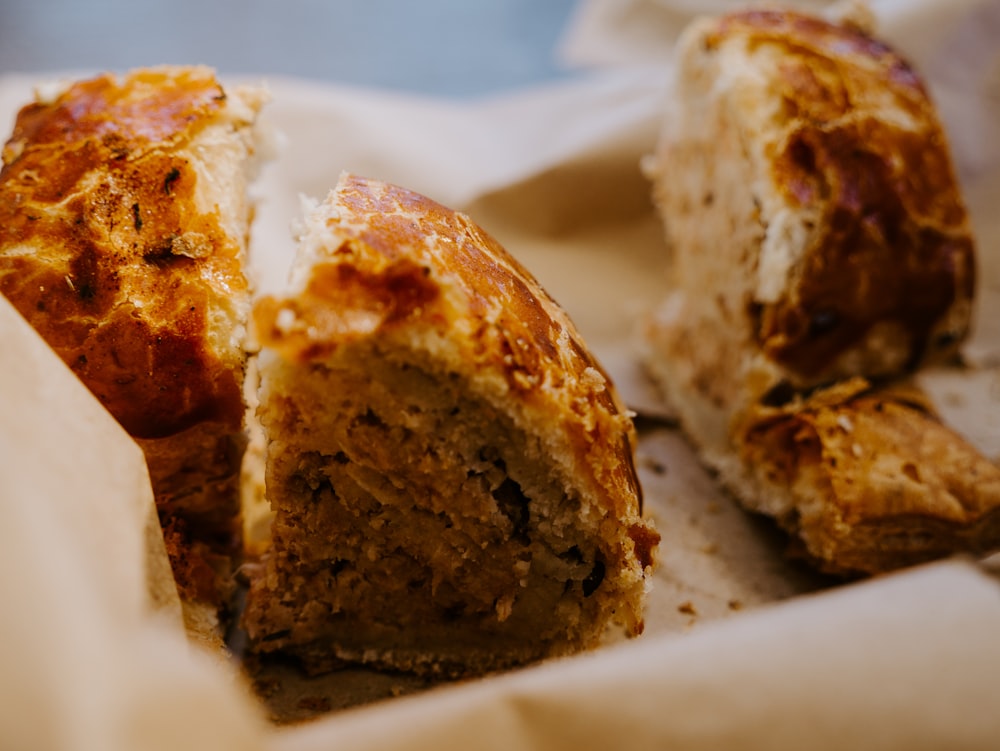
x: 92, y: 647
x: 744, y: 648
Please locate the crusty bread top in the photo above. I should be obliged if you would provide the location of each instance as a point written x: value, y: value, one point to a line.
x: 123, y: 223
x: 865, y: 224
x: 377, y: 259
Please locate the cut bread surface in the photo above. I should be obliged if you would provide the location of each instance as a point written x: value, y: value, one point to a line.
x: 450, y: 470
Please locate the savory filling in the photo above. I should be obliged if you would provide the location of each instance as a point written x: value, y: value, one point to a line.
x: 414, y: 519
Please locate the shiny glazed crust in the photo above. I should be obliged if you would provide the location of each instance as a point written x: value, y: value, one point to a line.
x: 448, y: 416
x: 123, y: 230
x: 398, y: 260
x: 817, y: 234
x: 808, y: 162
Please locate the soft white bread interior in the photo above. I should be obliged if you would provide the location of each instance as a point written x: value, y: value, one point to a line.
x: 450, y: 470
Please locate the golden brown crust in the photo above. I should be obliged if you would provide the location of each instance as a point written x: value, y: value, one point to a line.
x: 123, y: 228
x: 105, y: 251
x: 855, y: 254
x: 451, y: 472
x: 403, y: 259
x: 877, y: 481
x: 859, y: 138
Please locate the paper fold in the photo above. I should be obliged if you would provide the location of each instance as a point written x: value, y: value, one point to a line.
x: 91, y: 643
x: 903, y: 662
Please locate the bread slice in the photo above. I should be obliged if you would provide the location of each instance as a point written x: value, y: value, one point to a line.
x: 124, y: 220
x: 816, y: 233
x: 450, y: 469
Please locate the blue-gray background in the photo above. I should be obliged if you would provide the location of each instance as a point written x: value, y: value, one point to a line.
x: 450, y: 48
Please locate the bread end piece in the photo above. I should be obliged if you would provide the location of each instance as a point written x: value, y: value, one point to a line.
x: 818, y: 239
x: 811, y: 205
x: 124, y: 220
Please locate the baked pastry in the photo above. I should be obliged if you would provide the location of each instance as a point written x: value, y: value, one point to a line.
x: 868, y: 478
x: 124, y: 221
x: 816, y: 232
x: 451, y: 471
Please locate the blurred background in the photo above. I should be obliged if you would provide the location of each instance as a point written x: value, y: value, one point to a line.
x: 449, y: 48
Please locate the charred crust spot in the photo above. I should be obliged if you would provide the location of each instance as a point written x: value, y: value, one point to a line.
x: 802, y: 154
x: 116, y: 145
x: 83, y: 272
x: 172, y: 177
x: 136, y: 217
x: 453, y: 612
x: 160, y: 253
x: 370, y: 419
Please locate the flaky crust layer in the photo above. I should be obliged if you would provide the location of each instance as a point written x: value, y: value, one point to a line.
x: 123, y: 229
x: 869, y: 478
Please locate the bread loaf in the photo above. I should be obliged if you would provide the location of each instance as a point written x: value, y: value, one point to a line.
x: 451, y: 471
x: 816, y: 234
